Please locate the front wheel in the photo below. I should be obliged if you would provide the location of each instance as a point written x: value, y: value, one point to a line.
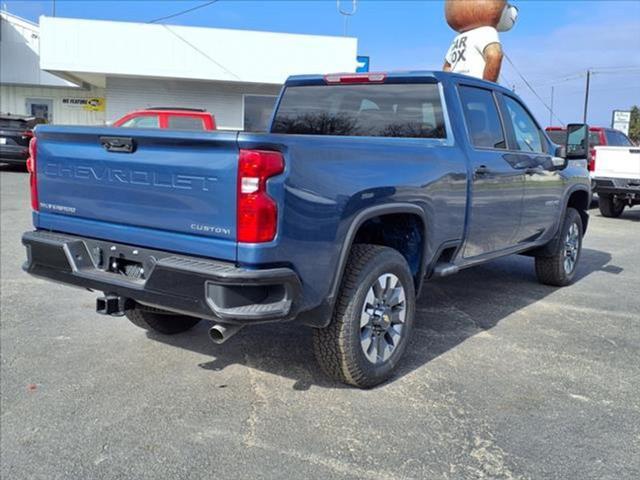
x: 373, y: 318
x: 610, y: 206
x: 560, y: 268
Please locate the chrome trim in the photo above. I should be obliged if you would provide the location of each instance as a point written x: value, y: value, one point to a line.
x: 450, y: 140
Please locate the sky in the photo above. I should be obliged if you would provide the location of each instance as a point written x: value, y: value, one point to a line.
x: 553, y: 44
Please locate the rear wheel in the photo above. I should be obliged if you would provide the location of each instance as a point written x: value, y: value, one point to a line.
x: 560, y: 268
x: 161, y: 321
x: 610, y: 206
x: 373, y: 318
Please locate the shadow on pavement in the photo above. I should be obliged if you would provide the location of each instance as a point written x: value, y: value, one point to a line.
x: 450, y: 310
x: 629, y: 214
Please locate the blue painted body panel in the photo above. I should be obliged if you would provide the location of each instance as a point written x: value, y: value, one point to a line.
x: 328, y: 182
x: 181, y: 185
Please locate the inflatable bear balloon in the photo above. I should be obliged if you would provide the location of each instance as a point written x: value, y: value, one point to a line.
x: 476, y: 51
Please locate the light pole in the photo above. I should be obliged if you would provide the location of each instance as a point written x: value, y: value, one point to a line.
x: 551, y: 109
x: 586, y: 97
x: 347, y: 13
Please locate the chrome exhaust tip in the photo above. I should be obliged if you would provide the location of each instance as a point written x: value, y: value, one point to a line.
x: 221, y: 332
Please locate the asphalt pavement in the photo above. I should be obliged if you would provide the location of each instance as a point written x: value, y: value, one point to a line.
x: 504, y: 379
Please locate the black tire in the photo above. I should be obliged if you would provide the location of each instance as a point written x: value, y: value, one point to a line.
x: 338, y: 347
x: 552, y: 270
x: 610, y: 206
x: 160, y: 321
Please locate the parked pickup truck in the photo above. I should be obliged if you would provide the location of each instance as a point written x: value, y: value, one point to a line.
x: 598, y: 136
x: 616, y: 178
x: 366, y: 185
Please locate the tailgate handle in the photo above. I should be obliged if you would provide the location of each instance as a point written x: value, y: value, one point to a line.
x: 118, y: 144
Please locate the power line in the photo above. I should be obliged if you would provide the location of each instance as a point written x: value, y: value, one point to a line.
x: 506, y: 79
x: 561, y: 80
x: 629, y: 70
x: 615, y: 69
x: 526, y: 82
x: 204, y: 54
x: 183, y: 12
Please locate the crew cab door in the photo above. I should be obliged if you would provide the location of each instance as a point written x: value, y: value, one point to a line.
x: 530, y: 152
x: 497, y: 185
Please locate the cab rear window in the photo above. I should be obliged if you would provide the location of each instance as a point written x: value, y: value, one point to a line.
x: 372, y: 110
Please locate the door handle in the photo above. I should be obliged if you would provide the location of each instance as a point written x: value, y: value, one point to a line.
x: 482, y: 170
x: 118, y: 144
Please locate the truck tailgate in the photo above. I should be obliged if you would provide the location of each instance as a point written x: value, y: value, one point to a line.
x: 617, y: 162
x: 175, y: 190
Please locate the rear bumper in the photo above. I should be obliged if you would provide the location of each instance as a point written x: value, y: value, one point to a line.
x: 619, y: 186
x: 187, y: 285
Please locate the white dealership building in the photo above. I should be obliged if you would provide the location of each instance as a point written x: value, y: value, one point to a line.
x: 91, y: 72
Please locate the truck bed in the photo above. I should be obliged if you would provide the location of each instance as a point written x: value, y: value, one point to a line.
x: 617, y: 162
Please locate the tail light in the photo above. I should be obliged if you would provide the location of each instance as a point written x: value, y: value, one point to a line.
x: 257, y: 211
x: 27, y: 134
x: 592, y: 160
x: 31, y: 168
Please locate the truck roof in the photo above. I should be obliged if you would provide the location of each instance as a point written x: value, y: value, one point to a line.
x: 409, y: 76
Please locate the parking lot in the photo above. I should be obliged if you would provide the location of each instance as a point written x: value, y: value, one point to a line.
x: 505, y: 378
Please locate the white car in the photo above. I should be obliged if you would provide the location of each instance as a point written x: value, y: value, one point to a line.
x: 616, y: 178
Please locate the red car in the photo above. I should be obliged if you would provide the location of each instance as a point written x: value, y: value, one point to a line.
x: 171, y: 118
x: 597, y: 136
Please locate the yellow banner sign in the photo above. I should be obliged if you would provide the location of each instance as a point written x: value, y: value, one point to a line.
x: 96, y: 104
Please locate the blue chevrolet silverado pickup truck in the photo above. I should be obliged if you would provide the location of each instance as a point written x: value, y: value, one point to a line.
x: 366, y: 186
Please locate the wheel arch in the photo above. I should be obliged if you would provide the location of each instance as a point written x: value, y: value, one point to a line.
x: 580, y: 199
x: 376, y: 212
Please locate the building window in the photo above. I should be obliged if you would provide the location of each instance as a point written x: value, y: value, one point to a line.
x: 257, y: 112
x: 40, y: 108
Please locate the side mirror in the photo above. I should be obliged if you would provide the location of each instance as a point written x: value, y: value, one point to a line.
x: 577, y: 146
x: 559, y: 160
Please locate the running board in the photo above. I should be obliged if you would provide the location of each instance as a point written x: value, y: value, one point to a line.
x: 444, y: 269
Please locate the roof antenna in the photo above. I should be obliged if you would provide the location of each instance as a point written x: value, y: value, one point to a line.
x: 347, y: 13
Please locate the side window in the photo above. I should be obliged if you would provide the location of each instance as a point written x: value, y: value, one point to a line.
x: 481, y: 116
x: 623, y: 140
x: 177, y: 122
x: 612, y: 138
x: 527, y: 134
x: 145, y: 121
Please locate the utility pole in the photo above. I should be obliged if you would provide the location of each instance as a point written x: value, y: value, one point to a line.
x: 54, y: 8
x: 551, y: 110
x: 586, y: 97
